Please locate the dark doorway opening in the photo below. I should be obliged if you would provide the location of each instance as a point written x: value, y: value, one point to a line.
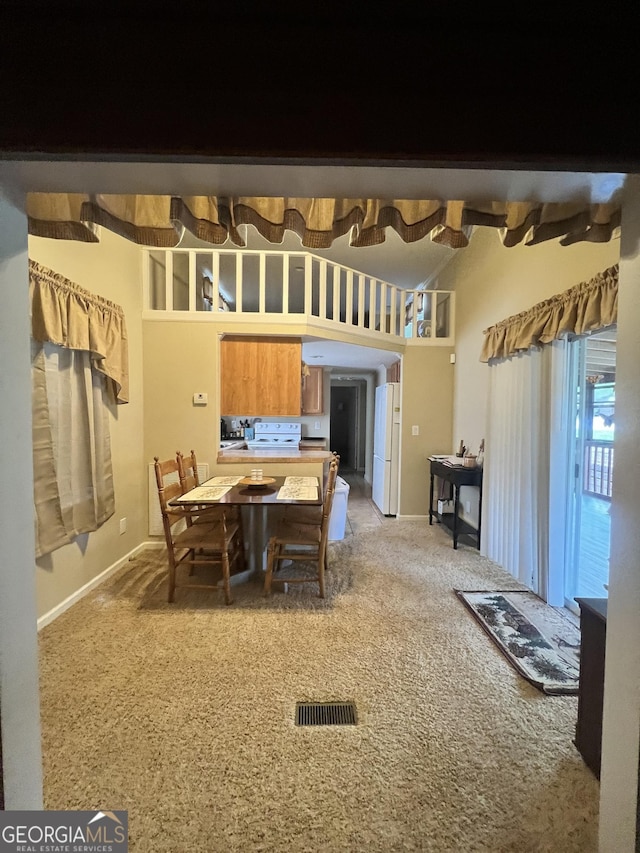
x: 348, y: 423
x: 344, y: 405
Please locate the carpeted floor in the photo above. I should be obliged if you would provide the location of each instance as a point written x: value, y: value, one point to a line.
x: 184, y: 714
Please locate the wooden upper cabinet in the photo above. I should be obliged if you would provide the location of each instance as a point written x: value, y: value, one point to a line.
x: 260, y: 376
x: 312, y: 392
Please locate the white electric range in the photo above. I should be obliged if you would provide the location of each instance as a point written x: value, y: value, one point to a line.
x: 275, y: 436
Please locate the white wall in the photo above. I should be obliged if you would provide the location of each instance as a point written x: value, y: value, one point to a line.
x: 621, y: 719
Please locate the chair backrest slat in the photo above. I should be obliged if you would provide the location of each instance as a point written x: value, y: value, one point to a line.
x: 188, y: 470
x: 167, y: 491
x: 330, y: 489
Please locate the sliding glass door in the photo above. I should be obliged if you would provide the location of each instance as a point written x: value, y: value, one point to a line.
x: 592, y: 402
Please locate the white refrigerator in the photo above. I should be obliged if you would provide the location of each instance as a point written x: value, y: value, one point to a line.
x: 386, y: 448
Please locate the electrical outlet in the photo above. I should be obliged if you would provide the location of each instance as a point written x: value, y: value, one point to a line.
x: 316, y: 425
x: 415, y: 430
x: 123, y: 526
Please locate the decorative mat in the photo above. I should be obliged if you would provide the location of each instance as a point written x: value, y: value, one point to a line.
x: 539, y: 641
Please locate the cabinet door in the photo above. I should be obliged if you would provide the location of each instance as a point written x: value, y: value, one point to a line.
x: 260, y: 376
x: 312, y: 392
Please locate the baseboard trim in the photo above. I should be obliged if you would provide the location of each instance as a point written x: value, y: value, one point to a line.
x: 59, y: 609
x: 412, y: 517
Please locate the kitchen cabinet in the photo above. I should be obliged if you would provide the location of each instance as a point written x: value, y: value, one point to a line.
x: 313, y: 392
x: 260, y: 376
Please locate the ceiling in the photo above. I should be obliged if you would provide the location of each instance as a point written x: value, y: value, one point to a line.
x: 345, y: 357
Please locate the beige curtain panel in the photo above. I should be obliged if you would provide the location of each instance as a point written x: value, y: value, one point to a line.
x: 65, y: 314
x: 585, y: 308
x: 159, y: 220
x: 72, y: 473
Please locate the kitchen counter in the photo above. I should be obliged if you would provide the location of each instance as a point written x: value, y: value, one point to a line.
x: 313, y: 444
x: 248, y: 457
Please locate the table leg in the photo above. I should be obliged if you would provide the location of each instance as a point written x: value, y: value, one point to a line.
x: 479, y: 515
x: 256, y: 534
x: 431, y: 499
x: 456, y: 506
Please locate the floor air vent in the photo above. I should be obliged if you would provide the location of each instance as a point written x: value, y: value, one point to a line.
x: 325, y: 714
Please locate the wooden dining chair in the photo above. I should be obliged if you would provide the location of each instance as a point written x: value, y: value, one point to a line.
x: 310, y: 514
x: 195, y: 536
x: 299, y: 540
x: 190, y: 479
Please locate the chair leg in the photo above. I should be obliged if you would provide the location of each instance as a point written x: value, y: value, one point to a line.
x: 321, y: 578
x: 226, y: 575
x: 271, y: 556
x: 172, y: 578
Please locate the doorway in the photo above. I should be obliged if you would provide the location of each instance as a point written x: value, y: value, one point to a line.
x: 592, y: 393
x: 347, y: 423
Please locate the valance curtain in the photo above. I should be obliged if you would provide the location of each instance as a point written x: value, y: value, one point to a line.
x: 79, y: 367
x: 584, y: 308
x: 66, y: 314
x: 159, y: 220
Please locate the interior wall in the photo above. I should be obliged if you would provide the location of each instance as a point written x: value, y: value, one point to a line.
x: 491, y: 283
x: 619, y: 826
x: 427, y: 402
x: 180, y: 359
x: 112, y: 269
x: 21, y: 760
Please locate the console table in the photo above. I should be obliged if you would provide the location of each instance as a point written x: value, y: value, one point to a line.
x: 593, y: 634
x: 457, y: 476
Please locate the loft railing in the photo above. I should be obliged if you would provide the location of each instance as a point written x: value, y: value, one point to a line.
x: 598, y: 468
x: 227, y: 283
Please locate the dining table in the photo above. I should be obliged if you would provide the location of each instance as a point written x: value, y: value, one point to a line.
x: 255, y: 497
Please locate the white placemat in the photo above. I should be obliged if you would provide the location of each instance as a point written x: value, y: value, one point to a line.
x: 203, y: 493
x: 301, y: 481
x: 292, y: 492
x: 223, y: 481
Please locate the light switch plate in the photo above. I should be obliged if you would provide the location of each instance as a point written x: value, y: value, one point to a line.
x: 415, y: 430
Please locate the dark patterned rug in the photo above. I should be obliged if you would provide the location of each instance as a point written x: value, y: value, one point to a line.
x: 540, y: 641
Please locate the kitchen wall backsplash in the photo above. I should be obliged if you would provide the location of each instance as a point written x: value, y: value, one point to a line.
x: 312, y: 425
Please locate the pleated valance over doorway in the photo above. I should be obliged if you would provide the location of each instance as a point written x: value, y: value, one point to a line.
x: 159, y: 220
